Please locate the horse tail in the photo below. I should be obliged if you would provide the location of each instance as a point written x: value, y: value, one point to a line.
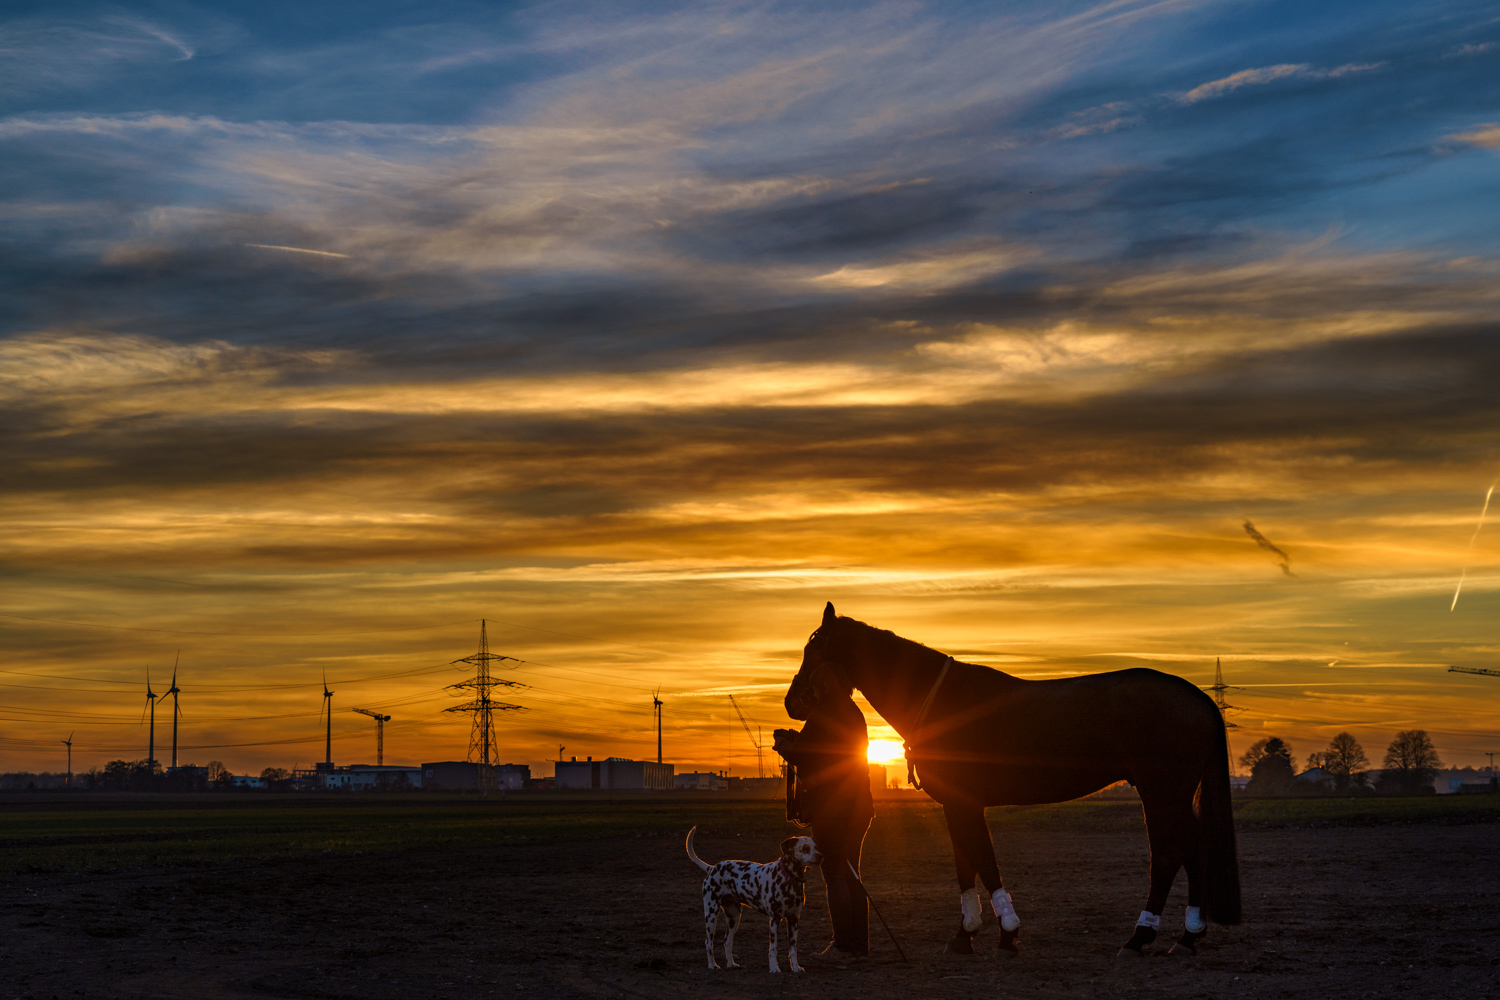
x: 691, y: 853
x: 1221, y: 866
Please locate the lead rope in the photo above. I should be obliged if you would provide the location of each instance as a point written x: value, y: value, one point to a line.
x: 911, y: 765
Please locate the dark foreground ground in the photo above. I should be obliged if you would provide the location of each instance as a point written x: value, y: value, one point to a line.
x: 1410, y: 910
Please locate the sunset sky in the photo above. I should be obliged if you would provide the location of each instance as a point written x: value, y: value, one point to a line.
x: 642, y: 331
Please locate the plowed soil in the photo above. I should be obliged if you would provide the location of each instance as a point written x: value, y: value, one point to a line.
x: 1385, y: 911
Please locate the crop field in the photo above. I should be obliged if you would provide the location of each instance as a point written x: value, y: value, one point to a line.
x: 576, y: 896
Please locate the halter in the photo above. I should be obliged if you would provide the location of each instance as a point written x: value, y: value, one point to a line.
x: 906, y: 745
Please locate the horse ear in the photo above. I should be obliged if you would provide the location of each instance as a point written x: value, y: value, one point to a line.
x: 828, y: 614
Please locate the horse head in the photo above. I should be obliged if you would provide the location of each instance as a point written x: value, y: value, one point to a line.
x: 822, y: 675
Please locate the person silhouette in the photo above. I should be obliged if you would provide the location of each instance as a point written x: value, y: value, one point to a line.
x: 828, y: 789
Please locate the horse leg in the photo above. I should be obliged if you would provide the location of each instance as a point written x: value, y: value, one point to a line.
x: 970, y: 916
x: 1194, y: 926
x: 974, y: 854
x: 1169, y: 826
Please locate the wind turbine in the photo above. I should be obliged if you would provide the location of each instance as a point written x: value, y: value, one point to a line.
x: 69, y: 743
x: 174, y: 691
x: 656, y: 704
x: 328, y: 708
x: 151, y: 740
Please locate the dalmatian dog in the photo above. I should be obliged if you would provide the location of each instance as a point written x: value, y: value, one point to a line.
x: 777, y: 889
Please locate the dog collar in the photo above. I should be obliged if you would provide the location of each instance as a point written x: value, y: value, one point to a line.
x: 787, y: 871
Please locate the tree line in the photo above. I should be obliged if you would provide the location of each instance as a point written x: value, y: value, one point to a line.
x: 1410, y: 763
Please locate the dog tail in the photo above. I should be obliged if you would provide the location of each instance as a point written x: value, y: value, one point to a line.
x: 696, y: 860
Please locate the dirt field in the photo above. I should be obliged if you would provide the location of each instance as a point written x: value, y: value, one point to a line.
x: 1386, y: 911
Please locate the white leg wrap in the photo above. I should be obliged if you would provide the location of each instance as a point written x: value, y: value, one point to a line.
x: 1193, y: 920
x: 973, y: 916
x: 1000, y: 900
x: 1148, y: 919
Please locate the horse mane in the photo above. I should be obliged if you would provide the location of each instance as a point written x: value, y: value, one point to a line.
x: 883, y: 638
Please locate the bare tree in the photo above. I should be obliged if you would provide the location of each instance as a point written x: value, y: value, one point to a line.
x: 1344, y: 760
x: 1410, y: 762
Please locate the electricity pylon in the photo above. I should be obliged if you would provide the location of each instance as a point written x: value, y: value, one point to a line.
x: 483, y: 707
x: 380, y: 721
x: 1219, y: 687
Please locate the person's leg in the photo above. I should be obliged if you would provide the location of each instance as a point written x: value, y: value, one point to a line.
x: 857, y: 933
x: 830, y: 840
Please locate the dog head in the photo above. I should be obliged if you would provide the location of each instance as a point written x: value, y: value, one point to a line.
x: 800, y: 852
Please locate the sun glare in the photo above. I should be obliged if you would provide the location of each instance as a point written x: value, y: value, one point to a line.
x: 884, y: 751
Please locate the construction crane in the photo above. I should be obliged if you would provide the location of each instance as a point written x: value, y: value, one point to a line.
x: 380, y: 721
x: 1483, y: 673
x: 760, y: 769
x: 1474, y: 670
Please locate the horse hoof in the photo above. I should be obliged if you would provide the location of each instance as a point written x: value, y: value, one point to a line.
x: 1007, y: 946
x: 960, y: 944
x: 1188, y: 943
x: 1129, y: 952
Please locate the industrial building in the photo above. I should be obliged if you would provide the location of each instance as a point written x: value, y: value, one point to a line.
x: 614, y: 773
x: 369, y: 777
x: 463, y: 775
x: 706, y: 781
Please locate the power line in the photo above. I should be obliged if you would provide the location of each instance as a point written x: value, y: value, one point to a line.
x: 262, y: 635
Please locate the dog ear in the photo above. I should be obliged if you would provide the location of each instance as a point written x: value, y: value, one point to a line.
x: 788, y: 844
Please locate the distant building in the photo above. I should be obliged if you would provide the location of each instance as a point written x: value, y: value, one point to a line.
x: 370, y: 777
x: 248, y: 781
x: 463, y: 775
x: 613, y: 773
x: 768, y: 787
x: 707, y: 781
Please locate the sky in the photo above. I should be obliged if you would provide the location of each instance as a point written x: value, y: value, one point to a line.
x: 642, y: 330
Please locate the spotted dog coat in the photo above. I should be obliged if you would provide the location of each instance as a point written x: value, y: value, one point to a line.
x: 776, y: 889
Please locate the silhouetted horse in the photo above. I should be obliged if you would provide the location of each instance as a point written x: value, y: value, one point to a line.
x: 979, y: 737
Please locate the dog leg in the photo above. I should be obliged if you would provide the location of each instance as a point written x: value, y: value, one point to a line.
x: 791, y: 932
x: 734, y: 911
x: 771, y: 946
x: 710, y: 922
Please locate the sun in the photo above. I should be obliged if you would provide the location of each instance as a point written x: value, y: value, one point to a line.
x: 885, y: 751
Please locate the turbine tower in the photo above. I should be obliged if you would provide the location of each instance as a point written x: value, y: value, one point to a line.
x: 328, y: 738
x: 656, y: 704
x: 69, y: 744
x: 483, y: 707
x: 151, y: 739
x: 380, y: 721
x: 174, y: 691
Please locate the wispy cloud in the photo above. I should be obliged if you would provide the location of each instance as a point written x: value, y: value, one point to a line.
x: 1269, y: 74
